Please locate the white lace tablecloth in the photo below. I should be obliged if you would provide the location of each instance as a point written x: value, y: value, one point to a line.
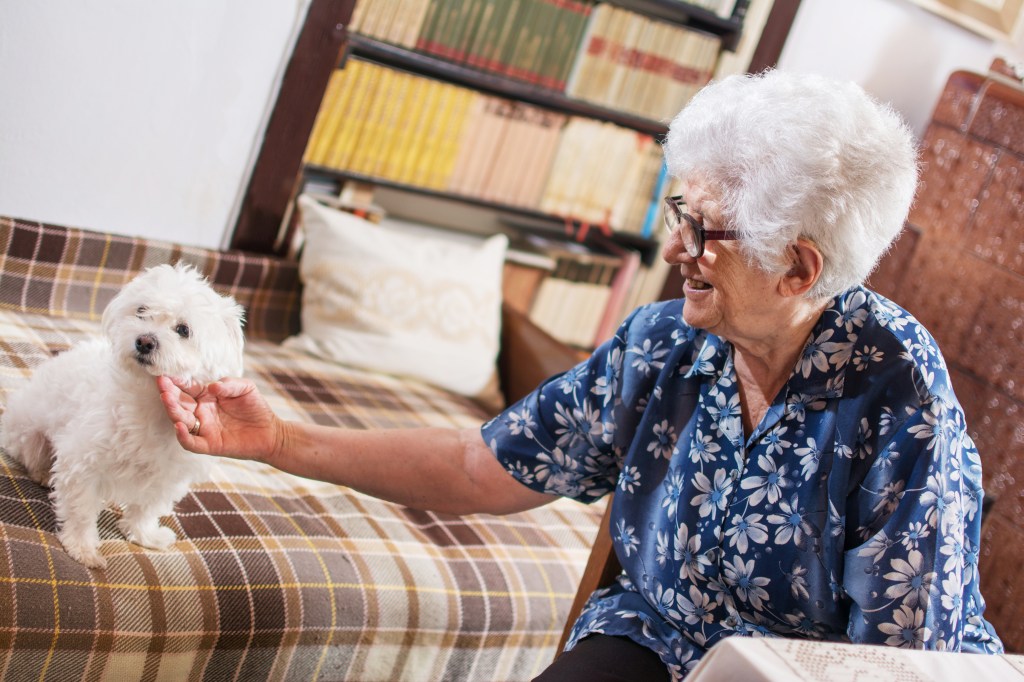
x: 785, y: 660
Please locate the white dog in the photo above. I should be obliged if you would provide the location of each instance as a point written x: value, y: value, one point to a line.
x: 90, y: 423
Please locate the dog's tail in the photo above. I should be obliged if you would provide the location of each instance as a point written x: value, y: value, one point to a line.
x: 25, y: 442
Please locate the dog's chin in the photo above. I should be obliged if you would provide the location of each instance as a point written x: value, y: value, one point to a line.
x: 146, y: 364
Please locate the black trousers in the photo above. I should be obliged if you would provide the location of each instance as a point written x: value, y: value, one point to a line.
x: 602, y: 658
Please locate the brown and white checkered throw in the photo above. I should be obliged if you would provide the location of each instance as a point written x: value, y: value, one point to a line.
x: 274, y: 577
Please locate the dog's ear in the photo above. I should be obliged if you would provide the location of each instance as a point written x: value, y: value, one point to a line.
x: 234, y: 320
x: 114, y: 311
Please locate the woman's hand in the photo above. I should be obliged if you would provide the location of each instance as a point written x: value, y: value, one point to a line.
x: 233, y: 418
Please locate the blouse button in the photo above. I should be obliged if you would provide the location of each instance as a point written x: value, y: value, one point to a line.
x: 732, y: 621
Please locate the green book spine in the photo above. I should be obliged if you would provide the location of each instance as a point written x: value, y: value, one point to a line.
x: 522, y: 41
x: 449, y: 35
x: 425, y: 39
x: 486, y: 30
x: 581, y: 17
x: 506, y: 43
x: 545, y: 34
x: 468, y: 29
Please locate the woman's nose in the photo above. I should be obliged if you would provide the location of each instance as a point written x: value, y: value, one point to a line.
x: 673, y: 250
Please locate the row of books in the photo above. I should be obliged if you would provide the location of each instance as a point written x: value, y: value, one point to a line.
x: 599, y: 53
x: 387, y: 124
x: 580, y: 296
x: 640, y: 65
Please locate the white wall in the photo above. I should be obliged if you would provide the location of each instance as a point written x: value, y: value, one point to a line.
x: 134, y: 116
x: 896, y: 50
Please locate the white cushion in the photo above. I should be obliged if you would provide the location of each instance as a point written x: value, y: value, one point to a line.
x: 400, y: 301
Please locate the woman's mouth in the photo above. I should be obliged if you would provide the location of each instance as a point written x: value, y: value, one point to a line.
x: 697, y: 284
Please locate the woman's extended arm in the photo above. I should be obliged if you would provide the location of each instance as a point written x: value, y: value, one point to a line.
x: 443, y: 470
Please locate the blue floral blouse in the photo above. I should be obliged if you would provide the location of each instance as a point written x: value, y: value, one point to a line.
x: 852, y: 512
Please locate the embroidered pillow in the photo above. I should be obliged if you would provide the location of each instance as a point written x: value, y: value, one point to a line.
x: 403, y: 300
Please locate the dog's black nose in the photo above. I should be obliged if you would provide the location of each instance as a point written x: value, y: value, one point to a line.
x: 146, y: 344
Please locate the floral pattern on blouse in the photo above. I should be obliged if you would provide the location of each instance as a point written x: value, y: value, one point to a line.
x: 852, y: 512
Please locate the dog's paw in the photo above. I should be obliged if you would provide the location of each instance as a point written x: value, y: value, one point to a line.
x: 40, y: 476
x: 151, y: 537
x: 84, y: 553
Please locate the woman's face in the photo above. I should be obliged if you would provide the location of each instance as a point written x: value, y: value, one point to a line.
x: 723, y: 293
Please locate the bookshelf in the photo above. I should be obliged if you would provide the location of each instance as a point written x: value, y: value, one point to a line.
x: 608, y: 74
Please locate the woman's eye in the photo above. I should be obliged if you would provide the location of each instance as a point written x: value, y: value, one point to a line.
x: 183, y: 331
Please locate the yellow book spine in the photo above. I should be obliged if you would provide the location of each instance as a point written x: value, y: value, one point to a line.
x: 399, y: 136
x: 330, y: 116
x: 369, y: 135
x: 430, y: 148
x: 394, y: 106
x: 451, y: 132
x: 350, y: 114
x: 316, y: 136
x: 427, y: 112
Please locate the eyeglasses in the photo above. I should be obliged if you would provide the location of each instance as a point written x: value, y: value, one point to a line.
x: 691, y: 230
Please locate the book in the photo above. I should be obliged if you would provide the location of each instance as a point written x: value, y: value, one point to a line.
x: 449, y: 134
x: 466, y: 147
x: 436, y: 12
x: 417, y: 11
x: 591, y: 49
x: 381, y: 162
x: 614, y: 311
x: 547, y: 131
x: 319, y: 139
x: 438, y: 118
x: 485, y: 33
x: 426, y: 96
x: 510, y: 155
x: 494, y: 123
x: 630, y: 183
x: 498, y: 56
x: 352, y: 117
x: 469, y: 25
x: 369, y: 133
x: 570, y: 301
x: 625, y: 59
x: 572, y: 25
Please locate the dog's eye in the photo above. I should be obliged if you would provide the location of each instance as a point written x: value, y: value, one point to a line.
x: 141, y: 310
x: 183, y: 331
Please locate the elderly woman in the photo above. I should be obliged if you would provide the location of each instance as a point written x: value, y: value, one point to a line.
x: 787, y: 454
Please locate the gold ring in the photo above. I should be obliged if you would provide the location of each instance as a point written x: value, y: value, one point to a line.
x: 195, y: 428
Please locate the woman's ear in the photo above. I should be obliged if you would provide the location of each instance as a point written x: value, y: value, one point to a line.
x: 805, y: 268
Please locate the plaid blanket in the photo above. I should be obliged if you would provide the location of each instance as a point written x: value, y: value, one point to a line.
x: 274, y: 577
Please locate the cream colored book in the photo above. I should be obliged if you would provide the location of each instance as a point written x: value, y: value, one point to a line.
x: 593, y: 46
x: 550, y: 129
x: 466, y: 147
x: 448, y: 146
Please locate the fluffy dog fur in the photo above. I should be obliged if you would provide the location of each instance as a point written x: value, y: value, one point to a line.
x: 90, y: 424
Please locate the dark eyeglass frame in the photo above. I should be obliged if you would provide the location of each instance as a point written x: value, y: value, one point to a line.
x: 675, y: 218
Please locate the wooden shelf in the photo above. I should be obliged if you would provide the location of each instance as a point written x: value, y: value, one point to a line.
x: 522, y: 218
x: 422, y: 64
x: 690, y: 15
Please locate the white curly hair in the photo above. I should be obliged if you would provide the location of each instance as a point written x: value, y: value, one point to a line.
x: 797, y: 155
